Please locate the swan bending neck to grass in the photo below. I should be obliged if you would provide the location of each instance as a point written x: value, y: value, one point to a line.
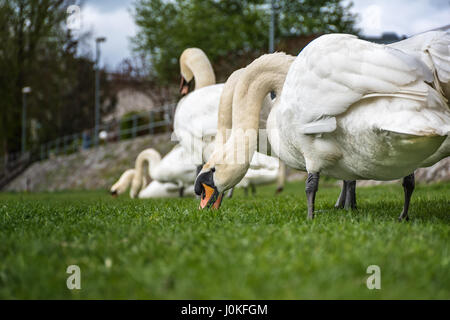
x: 347, y: 108
x: 154, y: 189
x: 173, y: 169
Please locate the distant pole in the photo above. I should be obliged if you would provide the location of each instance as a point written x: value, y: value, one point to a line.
x: 97, y: 87
x: 272, y: 28
x: 25, y: 91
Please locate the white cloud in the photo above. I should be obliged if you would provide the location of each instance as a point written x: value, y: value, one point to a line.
x: 405, y: 17
x: 402, y: 16
x: 116, y: 25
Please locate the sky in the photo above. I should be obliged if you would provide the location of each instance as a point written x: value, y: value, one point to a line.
x: 113, y: 19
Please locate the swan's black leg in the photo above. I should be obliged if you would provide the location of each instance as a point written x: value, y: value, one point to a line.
x: 253, y: 188
x: 347, y: 197
x: 350, y: 198
x: 408, y: 187
x: 341, y: 200
x: 181, y: 192
x: 230, y: 193
x: 312, y: 185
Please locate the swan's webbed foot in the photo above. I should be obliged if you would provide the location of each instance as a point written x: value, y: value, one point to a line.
x: 408, y: 188
x: 312, y: 185
x: 347, y: 197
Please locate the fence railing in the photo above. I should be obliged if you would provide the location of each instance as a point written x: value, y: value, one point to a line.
x: 134, y: 125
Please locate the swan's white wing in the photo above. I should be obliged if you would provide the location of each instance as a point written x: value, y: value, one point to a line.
x: 158, y: 189
x: 335, y: 71
x: 262, y: 161
x: 175, y: 167
x: 433, y: 48
x: 196, y: 114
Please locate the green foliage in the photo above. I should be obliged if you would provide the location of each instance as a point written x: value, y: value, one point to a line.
x: 260, y: 247
x: 166, y: 28
x: 38, y: 51
x: 315, y: 17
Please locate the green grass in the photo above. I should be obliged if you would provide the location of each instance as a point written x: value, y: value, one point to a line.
x: 261, y: 247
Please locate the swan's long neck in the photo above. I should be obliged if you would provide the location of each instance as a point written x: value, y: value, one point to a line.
x: 262, y: 76
x: 224, y: 123
x: 153, y: 158
x: 195, y: 64
x: 124, y: 181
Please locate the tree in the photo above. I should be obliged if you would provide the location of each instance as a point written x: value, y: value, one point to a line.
x: 226, y: 28
x: 39, y: 51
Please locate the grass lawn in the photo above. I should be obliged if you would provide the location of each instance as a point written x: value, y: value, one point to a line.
x: 262, y: 247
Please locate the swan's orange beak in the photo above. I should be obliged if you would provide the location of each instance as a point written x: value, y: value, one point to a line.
x: 210, y: 198
x: 184, y: 87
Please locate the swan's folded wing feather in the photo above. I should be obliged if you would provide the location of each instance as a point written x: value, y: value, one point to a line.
x: 336, y: 71
x: 196, y: 114
x: 440, y: 55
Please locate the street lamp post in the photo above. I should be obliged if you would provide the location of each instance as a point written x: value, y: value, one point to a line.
x: 272, y: 27
x: 25, y: 91
x: 97, y: 86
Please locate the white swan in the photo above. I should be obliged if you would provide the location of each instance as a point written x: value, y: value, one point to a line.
x: 155, y: 189
x: 350, y: 109
x: 173, y: 168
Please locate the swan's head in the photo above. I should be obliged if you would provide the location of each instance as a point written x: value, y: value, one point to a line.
x: 117, y: 189
x: 185, y: 85
x: 195, y: 64
x: 186, y: 71
x: 215, y: 178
